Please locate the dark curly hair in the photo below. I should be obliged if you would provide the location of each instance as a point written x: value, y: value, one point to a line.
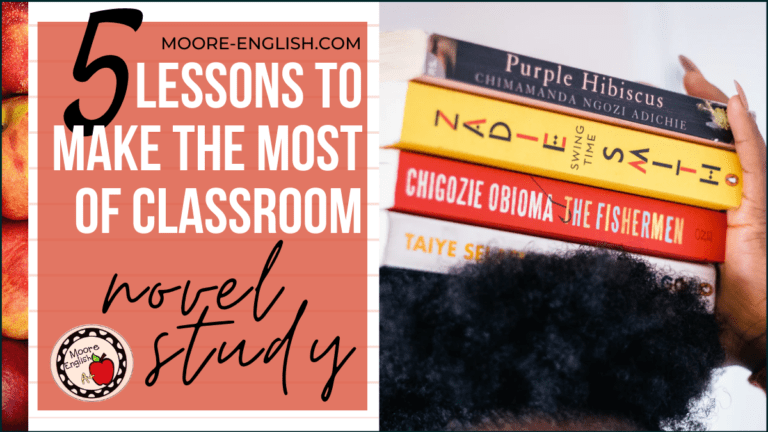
x: 558, y: 337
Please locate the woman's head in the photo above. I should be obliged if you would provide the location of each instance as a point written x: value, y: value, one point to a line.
x: 588, y: 336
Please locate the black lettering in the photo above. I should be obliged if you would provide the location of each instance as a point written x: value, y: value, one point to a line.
x: 171, y: 45
x: 111, y: 297
x: 613, y: 153
x: 197, y: 326
x: 155, y: 372
x: 336, y: 365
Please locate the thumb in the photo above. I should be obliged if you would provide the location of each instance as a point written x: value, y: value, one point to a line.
x: 750, y: 147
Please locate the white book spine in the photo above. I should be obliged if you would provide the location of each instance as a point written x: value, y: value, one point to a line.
x: 400, y: 232
x: 402, y: 55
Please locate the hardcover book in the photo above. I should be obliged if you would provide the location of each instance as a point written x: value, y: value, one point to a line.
x: 510, y: 201
x: 430, y: 119
x: 466, y: 66
x: 430, y: 245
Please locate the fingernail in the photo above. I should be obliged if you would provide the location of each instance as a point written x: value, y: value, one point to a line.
x: 742, y: 96
x: 688, y: 64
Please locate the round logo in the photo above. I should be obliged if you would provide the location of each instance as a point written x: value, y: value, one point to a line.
x: 731, y: 179
x: 91, y: 363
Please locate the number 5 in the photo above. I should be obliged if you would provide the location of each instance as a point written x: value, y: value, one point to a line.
x: 82, y: 71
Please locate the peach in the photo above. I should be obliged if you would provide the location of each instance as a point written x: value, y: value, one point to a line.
x: 15, y: 385
x: 15, y: 158
x: 15, y: 279
x: 15, y: 48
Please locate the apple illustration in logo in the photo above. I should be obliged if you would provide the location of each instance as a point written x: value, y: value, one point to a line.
x: 101, y: 369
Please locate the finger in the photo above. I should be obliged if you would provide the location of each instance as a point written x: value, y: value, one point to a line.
x: 698, y: 86
x: 751, y: 149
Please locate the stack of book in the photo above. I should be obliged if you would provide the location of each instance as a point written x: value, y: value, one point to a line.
x: 484, y: 148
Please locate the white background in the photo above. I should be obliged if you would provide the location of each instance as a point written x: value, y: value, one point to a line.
x: 639, y: 42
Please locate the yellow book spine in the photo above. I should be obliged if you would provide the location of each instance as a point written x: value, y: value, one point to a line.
x: 501, y: 134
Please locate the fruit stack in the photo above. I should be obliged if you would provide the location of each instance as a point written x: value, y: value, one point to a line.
x: 15, y: 214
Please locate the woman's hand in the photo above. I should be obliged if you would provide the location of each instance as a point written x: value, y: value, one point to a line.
x: 741, y: 300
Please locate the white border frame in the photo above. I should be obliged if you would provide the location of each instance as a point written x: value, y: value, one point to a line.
x: 216, y: 420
